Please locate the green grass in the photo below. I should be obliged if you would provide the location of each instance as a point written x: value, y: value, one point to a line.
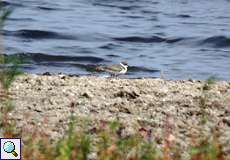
x: 4, y: 14
x: 209, y: 82
x: 7, y: 76
x: 105, y: 143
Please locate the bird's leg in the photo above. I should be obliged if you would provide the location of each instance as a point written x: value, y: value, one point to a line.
x: 116, y: 76
x: 111, y: 76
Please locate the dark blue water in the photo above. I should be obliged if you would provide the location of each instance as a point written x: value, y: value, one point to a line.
x: 183, y: 38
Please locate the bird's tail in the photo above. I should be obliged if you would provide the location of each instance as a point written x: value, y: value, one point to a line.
x: 100, y: 68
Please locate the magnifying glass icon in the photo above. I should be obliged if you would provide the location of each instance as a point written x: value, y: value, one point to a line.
x: 9, y: 147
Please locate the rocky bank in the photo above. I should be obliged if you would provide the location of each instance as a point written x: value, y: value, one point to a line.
x: 45, y: 102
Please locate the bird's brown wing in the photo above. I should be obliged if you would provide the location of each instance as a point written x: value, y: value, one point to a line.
x: 113, y: 67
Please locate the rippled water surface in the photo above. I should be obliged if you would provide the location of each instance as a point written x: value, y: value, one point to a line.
x: 183, y: 38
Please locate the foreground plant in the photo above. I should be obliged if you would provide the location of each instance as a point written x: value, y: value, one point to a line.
x: 8, y: 71
x: 106, y: 141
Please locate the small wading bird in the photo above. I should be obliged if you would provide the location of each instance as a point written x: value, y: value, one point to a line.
x: 115, y: 69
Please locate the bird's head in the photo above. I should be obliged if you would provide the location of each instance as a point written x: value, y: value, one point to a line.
x: 124, y: 63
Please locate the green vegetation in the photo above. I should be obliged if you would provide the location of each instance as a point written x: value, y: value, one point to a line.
x: 105, y: 141
x: 7, y: 76
x: 210, y: 81
x: 4, y: 13
x: 204, y: 98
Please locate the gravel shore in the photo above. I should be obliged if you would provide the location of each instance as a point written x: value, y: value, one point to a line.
x: 45, y: 102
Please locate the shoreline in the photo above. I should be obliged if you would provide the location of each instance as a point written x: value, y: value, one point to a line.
x: 46, y: 101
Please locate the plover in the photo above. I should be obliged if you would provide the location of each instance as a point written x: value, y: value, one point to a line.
x: 115, y: 69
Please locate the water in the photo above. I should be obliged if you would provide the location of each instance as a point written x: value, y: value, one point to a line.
x: 183, y: 38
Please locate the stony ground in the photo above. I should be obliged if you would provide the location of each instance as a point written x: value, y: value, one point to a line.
x: 45, y: 102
